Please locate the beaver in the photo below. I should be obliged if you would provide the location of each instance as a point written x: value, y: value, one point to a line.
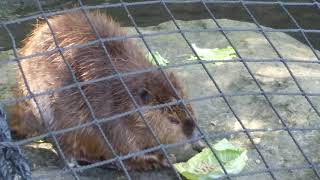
x: 105, y: 98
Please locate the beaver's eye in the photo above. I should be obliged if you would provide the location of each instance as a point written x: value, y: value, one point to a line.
x: 174, y: 120
x: 145, y: 96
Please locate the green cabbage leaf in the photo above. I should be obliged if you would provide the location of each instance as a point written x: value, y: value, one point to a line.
x: 204, y: 166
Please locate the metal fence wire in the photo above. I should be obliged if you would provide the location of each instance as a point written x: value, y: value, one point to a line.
x: 12, y: 160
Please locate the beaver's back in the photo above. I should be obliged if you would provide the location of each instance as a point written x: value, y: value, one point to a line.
x: 49, y: 71
x: 74, y: 29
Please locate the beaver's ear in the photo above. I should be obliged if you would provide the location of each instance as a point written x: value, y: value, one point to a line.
x: 172, y: 76
x: 174, y: 80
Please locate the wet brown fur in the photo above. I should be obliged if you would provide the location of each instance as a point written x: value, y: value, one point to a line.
x: 67, y: 108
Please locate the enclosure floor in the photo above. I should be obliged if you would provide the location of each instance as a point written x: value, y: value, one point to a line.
x: 213, y: 115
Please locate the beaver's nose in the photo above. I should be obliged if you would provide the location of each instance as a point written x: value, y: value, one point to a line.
x: 199, y: 144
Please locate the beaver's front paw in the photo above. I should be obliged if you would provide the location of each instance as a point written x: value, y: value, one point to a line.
x: 164, y: 162
x: 149, y: 162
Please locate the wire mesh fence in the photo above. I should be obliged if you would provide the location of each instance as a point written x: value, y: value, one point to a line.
x: 268, y: 169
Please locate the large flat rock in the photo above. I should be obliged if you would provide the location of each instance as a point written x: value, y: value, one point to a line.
x: 213, y: 114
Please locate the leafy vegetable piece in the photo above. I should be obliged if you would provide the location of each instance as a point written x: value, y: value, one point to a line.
x: 161, y: 60
x: 204, y: 166
x: 40, y: 141
x: 214, y: 54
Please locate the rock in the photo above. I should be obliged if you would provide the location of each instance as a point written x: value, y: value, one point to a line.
x: 7, y: 72
x: 277, y: 147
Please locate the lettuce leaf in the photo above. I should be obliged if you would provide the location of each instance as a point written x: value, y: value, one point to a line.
x: 214, y: 54
x: 205, y: 54
x: 204, y: 166
x: 161, y: 60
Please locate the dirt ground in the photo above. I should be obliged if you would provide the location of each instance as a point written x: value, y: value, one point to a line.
x: 215, y: 118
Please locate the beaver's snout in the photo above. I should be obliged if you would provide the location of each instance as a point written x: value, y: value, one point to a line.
x: 199, y: 144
